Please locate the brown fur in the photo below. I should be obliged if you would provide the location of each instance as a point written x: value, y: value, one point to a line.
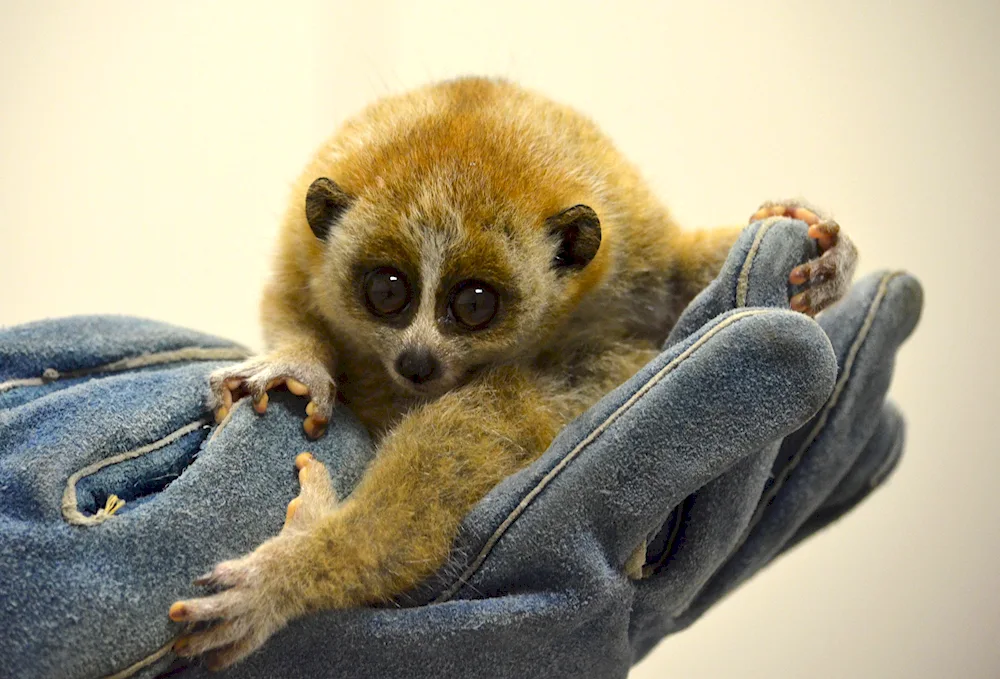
x: 466, y: 172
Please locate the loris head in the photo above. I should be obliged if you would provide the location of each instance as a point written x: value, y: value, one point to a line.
x: 438, y: 286
x: 457, y: 226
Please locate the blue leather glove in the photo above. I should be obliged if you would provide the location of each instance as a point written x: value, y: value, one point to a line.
x: 754, y: 428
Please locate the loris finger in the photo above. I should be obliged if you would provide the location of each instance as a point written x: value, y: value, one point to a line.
x: 820, y: 270
x: 296, y: 387
x: 222, y: 605
x: 220, y: 634
x: 826, y: 234
x: 317, y: 497
x: 785, y: 210
x: 317, y: 418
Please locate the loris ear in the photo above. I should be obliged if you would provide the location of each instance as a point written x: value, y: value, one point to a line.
x: 325, y: 203
x: 579, y: 233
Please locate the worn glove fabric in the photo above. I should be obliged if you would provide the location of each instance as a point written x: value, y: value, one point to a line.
x: 753, y: 429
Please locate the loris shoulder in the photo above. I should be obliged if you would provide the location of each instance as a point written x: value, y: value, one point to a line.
x: 467, y: 267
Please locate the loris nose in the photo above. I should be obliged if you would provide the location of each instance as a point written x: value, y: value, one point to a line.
x: 418, y: 365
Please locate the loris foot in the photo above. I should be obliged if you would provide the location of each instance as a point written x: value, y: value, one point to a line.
x: 260, y: 592
x: 828, y: 277
x: 260, y: 374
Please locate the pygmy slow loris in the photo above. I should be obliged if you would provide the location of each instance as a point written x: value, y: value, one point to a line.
x: 466, y: 267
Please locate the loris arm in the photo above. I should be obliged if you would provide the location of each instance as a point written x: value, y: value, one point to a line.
x: 398, y: 525
x: 700, y: 256
x: 299, y: 356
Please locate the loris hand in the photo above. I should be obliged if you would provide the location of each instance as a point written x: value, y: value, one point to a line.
x: 263, y: 590
x: 826, y: 278
x: 303, y: 376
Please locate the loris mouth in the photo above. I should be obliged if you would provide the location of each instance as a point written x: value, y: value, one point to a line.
x: 426, y: 389
x: 419, y: 389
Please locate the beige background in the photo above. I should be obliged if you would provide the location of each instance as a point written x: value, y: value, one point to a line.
x: 146, y: 149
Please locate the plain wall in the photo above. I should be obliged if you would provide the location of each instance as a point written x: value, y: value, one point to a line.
x: 146, y: 150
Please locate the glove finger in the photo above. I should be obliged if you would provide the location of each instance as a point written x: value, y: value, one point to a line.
x: 877, y: 461
x: 866, y: 330
x: 702, y: 531
x: 698, y: 536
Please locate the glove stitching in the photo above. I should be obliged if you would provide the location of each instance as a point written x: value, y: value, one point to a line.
x: 131, y: 363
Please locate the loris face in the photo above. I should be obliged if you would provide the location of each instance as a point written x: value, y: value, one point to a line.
x: 437, y: 294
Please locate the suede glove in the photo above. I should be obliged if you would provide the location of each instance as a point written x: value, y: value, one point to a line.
x: 755, y: 427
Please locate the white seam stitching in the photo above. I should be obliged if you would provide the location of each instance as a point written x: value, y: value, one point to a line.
x: 569, y: 457
x: 142, y: 361
x: 743, y: 282
x: 24, y: 382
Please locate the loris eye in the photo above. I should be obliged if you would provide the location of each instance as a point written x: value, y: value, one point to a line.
x: 474, y: 304
x: 387, y: 291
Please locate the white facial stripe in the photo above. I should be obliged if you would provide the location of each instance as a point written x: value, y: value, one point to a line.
x: 432, y: 253
x: 423, y: 330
